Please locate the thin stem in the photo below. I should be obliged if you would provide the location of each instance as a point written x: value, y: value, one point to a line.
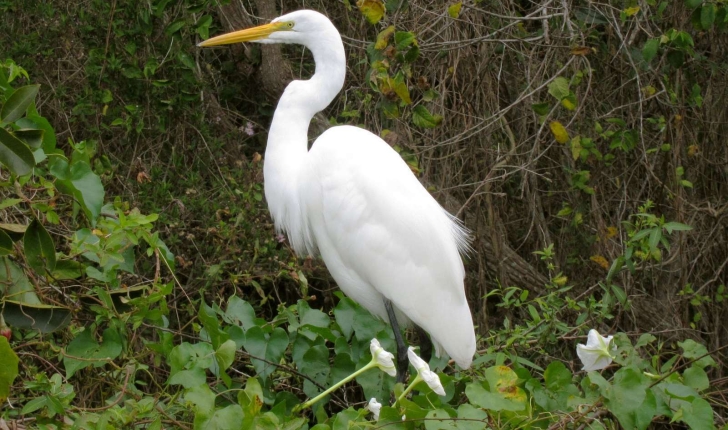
x: 409, y: 388
x: 311, y: 402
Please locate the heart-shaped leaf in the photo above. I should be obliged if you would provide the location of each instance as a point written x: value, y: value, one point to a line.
x: 39, y: 248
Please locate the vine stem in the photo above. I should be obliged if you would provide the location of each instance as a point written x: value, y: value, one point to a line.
x: 409, y: 388
x: 313, y: 401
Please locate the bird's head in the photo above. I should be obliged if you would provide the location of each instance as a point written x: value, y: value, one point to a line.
x: 300, y: 27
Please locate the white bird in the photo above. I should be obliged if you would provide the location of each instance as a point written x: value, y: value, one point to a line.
x: 352, y: 199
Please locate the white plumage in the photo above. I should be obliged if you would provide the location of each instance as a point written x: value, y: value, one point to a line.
x: 353, y: 200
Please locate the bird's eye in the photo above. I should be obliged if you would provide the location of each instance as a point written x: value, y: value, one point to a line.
x: 289, y: 24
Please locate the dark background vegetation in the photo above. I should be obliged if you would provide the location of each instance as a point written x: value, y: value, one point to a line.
x: 182, y: 130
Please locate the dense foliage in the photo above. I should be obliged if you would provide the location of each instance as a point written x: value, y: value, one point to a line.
x: 143, y: 286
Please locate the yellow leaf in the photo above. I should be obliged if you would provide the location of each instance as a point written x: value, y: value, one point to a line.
x: 601, y: 261
x: 559, y: 132
x: 383, y: 38
x: 630, y: 11
x: 454, y: 9
x: 580, y: 50
x: 649, y: 90
x: 611, y: 232
x: 400, y: 88
x: 373, y: 10
x: 560, y: 280
x: 568, y: 104
x: 576, y: 147
x: 693, y: 150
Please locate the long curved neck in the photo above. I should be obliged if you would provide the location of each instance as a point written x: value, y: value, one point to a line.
x: 303, y: 99
x: 285, y: 154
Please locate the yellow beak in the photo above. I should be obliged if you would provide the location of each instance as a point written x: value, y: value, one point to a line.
x: 247, y: 35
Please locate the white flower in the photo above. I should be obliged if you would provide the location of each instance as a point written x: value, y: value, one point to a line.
x: 424, y: 372
x: 596, y: 354
x: 374, y: 407
x: 382, y: 358
x: 248, y: 129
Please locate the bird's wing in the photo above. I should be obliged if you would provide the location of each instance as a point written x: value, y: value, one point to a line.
x: 377, y: 227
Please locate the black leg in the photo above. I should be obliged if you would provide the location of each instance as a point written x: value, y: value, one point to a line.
x: 402, y: 362
x: 425, y: 344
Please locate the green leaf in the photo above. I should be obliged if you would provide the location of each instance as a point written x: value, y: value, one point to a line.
x: 188, y: 378
x: 84, y: 351
x: 697, y: 414
x: 541, y: 108
x: 240, y: 312
x: 676, y: 226
x: 15, y: 154
x: 439, y: 419
x: 628, y: 390
x: 203, y: 401
x: 676, y: 58
x: 315, y: 365
x: 32, y: 137
x: 645, y: 339
x: 225, y: 354
x: 655, y: 236
x: 251, y: 398
x: 203, y: 26
x: 269, y: 347
x: 186, y: 60
x: 8, y: 368
x: 68, y: 269
x: 209, y: 320
x: 227, y: 418
x: 403, y: 39
x: 422, y: 117
x: 629, y: 398
x: 81, y: 182
x: 557, y: 376
x: 693, y: 350
x: 642, y: 234
x: 9, y: 202
x: 721, y: 19
x: 692, y: 4
x: 312, y: 317
x: 707, y: 15
x: 34, y: 405
x: 36, y: 316
x: 40, y: 251
x: 469, y: 416
x: 695, y: 377
x: 14, y: 284
x: 615, y: 268
x: 454, y: 9
x: 344, y: 312
x: 6, y: 243
x: 174, y: 27
x: 503, y: 393
x: 18, y: 103
x: 373, y: 10
x: 649, y: 51
x: 559, y: 88
x: 575, y: 146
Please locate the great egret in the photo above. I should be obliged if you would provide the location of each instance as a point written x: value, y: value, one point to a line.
x: 352, y: 199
